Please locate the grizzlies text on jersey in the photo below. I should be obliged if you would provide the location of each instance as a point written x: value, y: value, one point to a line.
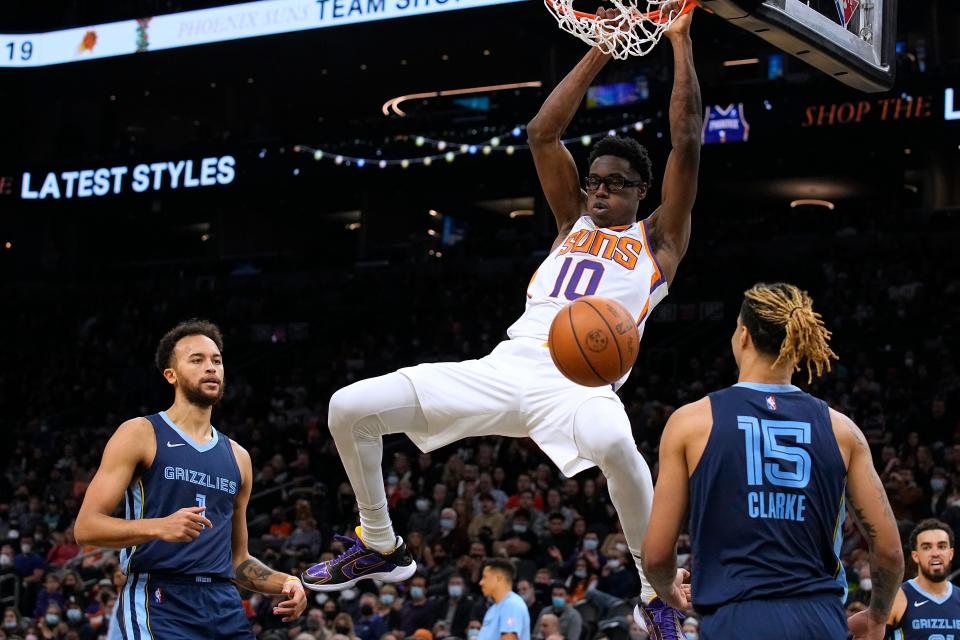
x: 928, y: 617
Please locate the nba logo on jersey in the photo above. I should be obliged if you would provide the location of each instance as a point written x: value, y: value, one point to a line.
x: 724, y: 124
x: 846, y: 9
x: 771, y: 403
x: 158, y: 595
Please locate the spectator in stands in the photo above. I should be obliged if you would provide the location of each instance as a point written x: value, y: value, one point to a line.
x: 13, y: 623
x: 367, y: 624
x: 49, y: 595
x: 65, y: 548
x: 417, y: 612
x: 425, y: 520
x: 457, y: 607
x: 518, y: 541
x: 343, y: 626
x: 569, y: 620
x: 488, y: 518
x: 452, y: 536
x: 547, y: 625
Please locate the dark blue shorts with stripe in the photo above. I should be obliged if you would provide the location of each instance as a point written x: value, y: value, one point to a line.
x: 171, y: 607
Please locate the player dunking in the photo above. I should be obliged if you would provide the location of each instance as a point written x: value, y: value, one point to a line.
x: 601, y: 249
x: 184, y: 538
x: 763, y: 467
x: 928, y: 605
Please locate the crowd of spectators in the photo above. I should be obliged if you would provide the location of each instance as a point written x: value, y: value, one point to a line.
x: 83, y: 354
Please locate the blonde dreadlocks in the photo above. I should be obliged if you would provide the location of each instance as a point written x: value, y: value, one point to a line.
x: 782, y: 322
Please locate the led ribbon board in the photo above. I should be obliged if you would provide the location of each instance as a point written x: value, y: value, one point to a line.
x: 205, y: 26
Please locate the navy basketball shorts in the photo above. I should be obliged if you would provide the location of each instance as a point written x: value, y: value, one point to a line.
x: 820, y: 617
x: 172, y: 607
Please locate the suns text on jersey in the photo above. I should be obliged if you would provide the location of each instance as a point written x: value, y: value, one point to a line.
x: 199, y: 478
x: 623, y: 250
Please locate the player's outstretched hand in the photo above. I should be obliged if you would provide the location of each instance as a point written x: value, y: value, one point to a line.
x: 681, y: 25
x: 864, y: 626
x: 679, y: 597
x: 182, y: 526
x: 293, y: 607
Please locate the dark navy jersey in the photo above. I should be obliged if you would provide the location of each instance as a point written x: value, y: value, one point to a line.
x: 766, y: 499
x: 185, y: 474
x: 928, y: 617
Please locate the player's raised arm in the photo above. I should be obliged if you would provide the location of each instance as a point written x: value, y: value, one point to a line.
x: 127, y: 450
x: 868, y: 501
x: 251, y: 574
x: 555, y: 165
x: 670, y: 500
x: 671, y: 221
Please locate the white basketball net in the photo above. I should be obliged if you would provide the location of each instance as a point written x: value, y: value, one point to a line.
x: 634, y: 32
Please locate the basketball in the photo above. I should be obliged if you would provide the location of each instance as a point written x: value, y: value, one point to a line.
x: 594, y: 341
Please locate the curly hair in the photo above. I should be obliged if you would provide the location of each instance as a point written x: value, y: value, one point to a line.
x: 628, y: 149
x: 930, y: 524
x: 191, y: 327
x: 782, y: 322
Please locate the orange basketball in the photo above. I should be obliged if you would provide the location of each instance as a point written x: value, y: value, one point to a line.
x: 594, y: 341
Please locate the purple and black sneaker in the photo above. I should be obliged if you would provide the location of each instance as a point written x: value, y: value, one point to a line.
x: 662, y: 621
x: 359, y: 563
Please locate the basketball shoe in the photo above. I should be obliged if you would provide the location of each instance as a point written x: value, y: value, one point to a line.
x: 359, y: 563
x: 661, y: 621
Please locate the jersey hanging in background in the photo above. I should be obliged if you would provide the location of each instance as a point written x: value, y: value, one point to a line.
x: 724, y: 124
x: 846, y: 9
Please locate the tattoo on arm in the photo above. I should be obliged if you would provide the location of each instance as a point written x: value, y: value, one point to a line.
x: 868, y: 527
x: 885, y: 586
x: 253, y: 575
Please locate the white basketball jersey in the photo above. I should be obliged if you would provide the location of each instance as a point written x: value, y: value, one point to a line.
x: 613, y: 262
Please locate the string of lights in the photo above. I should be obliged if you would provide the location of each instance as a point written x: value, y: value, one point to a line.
x: 449, y: 151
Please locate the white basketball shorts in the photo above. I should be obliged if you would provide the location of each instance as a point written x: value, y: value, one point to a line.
x: 515, y: 391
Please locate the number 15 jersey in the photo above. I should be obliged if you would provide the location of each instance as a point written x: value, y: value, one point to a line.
x: 613, y: 262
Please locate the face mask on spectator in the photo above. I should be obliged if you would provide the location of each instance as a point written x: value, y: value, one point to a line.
x: 96, y: 621
x: 455, y: 590
x: 74, y: 615
x: 446, y: 524
x: 558, y: 602
x: 620, y: 546
x: 366, y: 610
x: 938, y: 484
x: 580, y: 573
x: 329, y: 615
x: 473, y: 633
x: 392, y: 480
x: 590, y: 544
x: 348, y: 594
x: 416, y: 592
x: 387, y: 599
x: 423, y: 504
x: 342, y: 629
x: 25, y: 549
x: 30, y: 636
x: 52, y: 619
x: 10, y: 624
x: 691, y: 635
x: 38, y: 537
x: 5, y: 561
x: 520, y: 528
x: 866, y: 584
x: 529, y: 597
x: 613, y: 563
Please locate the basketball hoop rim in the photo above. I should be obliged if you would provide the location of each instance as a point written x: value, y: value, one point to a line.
x: 652, y: 16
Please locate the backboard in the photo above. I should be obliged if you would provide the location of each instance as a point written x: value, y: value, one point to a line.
x: 852, y: 40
